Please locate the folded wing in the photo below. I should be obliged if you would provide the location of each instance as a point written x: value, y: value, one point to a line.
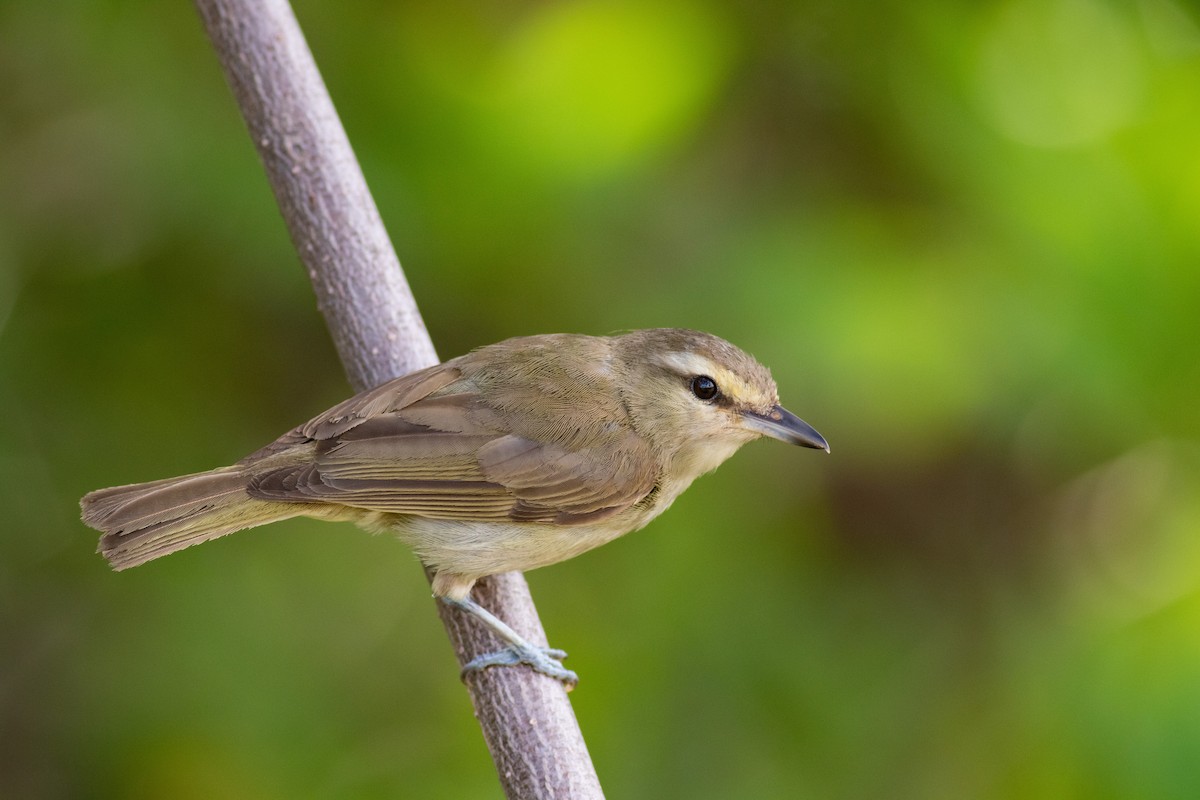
x: 428, y: 445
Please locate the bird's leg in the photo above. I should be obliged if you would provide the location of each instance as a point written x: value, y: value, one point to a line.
x: 545, y: 660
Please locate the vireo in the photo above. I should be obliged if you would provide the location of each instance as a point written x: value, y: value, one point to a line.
x: 517, y: 455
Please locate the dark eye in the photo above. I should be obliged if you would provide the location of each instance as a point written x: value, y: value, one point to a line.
x: 704, y: 387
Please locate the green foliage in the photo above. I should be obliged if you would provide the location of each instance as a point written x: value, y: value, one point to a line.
x: 963, y: 235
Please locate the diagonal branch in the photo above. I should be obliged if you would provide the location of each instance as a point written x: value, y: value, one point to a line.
x: 526, y: 718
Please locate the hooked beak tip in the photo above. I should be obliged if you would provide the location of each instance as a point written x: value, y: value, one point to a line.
x: 781, y: 424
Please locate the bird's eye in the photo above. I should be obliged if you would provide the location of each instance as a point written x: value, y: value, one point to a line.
x: 704, y: 387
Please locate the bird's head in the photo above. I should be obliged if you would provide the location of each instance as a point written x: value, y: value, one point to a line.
x: 698, y: 398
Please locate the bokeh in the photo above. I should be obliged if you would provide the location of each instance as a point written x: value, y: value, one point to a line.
x: 965, y: 236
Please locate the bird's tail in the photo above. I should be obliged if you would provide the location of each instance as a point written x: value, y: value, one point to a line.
x: 146, y: 520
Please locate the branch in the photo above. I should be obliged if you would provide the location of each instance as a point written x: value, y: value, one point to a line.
x: 526, y: 717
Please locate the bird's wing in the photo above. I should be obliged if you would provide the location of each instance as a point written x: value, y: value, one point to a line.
x: 553, y: 483
x: 389, y: 396
x: 399, y: 450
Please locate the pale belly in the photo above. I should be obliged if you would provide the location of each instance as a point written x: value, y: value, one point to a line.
x: 461, y: 551
x: 475, y: 549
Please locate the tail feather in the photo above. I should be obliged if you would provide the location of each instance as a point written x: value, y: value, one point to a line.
x: 144, y: 521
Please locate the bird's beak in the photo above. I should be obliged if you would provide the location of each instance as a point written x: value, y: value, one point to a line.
x: 781, y: 424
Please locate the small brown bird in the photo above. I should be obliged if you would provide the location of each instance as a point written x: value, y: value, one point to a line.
x: 517, y: 455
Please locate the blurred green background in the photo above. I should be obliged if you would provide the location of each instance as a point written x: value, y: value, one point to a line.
x: 966, y: 237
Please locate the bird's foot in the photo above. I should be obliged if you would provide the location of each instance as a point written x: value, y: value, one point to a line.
x: 546, y: 660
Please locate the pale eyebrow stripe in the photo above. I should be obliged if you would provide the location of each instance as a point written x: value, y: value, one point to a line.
x: 688, y: 363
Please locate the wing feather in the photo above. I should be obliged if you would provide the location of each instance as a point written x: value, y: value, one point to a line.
x: 430, y: 444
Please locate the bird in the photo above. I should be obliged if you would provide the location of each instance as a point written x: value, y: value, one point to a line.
x: 515, y: 456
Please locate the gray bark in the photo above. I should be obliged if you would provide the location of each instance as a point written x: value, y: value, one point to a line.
x: 526, y: 717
